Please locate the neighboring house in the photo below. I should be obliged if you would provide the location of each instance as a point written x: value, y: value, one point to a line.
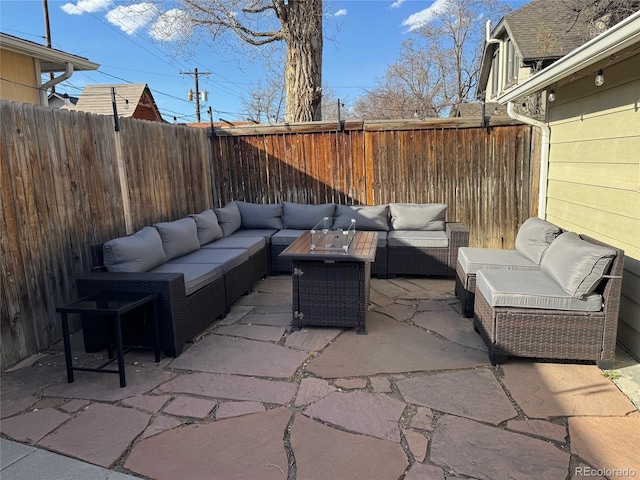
x: 59, y: 100
x: 133, y: 100
x: 591, y: 181
x: 526, y: 41
x: 24, y: 63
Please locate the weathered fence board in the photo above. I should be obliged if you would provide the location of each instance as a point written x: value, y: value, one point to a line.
x: 60, y: 187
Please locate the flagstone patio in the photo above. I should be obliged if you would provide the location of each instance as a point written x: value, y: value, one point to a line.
x: 414, y: 399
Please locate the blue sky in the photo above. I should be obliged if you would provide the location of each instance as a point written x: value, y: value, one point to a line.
x: 366, y: 37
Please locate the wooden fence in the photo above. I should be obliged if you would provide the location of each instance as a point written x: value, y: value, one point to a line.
x: 62, y: 188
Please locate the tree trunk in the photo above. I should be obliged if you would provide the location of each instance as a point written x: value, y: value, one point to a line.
x: 303, y: 68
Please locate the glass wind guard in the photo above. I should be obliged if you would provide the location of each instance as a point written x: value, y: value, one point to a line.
x: 328, y: 239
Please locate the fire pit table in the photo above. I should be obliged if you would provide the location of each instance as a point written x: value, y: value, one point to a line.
x: 330, y: 277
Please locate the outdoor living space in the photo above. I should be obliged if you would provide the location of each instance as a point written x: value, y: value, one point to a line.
x: 415, y: 398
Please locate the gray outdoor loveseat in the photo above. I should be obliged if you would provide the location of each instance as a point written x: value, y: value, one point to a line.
x: 203, y: 263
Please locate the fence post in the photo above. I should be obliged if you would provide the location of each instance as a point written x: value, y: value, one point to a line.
x: 122, y: 172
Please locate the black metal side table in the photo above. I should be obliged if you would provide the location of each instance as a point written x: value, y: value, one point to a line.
x: 111, y: 304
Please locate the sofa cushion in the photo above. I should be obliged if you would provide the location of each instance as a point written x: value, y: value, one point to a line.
x: 368, y: 218
x: 229, y: 218
x: 196, y: 275
x: 299, y: 216
x: 179, y: 237
x: 265, y: 233
x: 534, y: 237
x: 139, y: 252
x: 252, y: 244
x: 257, y: 215
x: 415, y: 216
x: 530, y: 289
x: 473, y: 259
x: 208, y: 226
x: 227, y: 258
x: 577, y: 265
x: 286, y: 236
x: 412, y: 238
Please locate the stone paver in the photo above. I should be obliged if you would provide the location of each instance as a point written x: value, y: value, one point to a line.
x: 248, y: 447
x: 33, y: 426
x: 236, y: 409
x: 239, y: 356
x: 182, y: 406
x: 312, y: 389
x: 312, y: 339
x: 472, y: 394
x: 232, y: 387
x: 265, y: 333
x: 148, y: 403
x: 607, y: 443
x: 100, y: 434
x: 420, y: 350
x: 353, y: 355
x: 539, y: 428
x: 546, y: 390
x: 325, y: 453
x: 484, y: 452
x: 417, y: 443
x: 375, y: 414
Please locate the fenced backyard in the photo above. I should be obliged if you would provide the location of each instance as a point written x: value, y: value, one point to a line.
x: 68, y: 180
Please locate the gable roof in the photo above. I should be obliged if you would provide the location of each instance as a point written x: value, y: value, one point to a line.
x: 545, y: 29
x: 51, y: 60
x: 610, y: 46
x: 132, y: 100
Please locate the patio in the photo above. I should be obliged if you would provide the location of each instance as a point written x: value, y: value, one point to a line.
x: 416, y: 398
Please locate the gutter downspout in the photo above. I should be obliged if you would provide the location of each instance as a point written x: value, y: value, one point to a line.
x: 544, y: 156
x: 44, y: 100
x: 497, y: 41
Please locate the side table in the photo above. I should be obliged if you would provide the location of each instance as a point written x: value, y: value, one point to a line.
x: 110, y: 304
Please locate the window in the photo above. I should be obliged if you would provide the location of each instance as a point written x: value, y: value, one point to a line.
x: 512, y: 62
x: 495, y: 75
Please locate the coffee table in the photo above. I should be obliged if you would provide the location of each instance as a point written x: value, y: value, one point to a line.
x: 331, y: 288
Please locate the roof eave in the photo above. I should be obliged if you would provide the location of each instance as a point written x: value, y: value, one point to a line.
x: 610, y: 42
x: 51, y: 60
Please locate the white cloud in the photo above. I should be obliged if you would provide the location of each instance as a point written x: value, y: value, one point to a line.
x: 397, y: 3
x: 85, y: 6
x: 340, y: 13
x: 170, y: 25
x: 132, y: 18
x: 423, y: 17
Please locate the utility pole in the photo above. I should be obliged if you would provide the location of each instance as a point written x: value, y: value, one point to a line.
x: 47, y: 33
x: 196, y: 74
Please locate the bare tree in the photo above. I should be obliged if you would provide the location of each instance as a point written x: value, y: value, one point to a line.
x: 599, y: 15
x: 296, y: 23
x: 438, y: 68
x: 266, y: 102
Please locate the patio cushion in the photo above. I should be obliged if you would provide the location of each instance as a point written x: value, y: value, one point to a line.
x: 382, y: 239
x: 534, y: 237
x: 368, y: 218
x: 179, y: 237
x: 229, y: 218
x: 228, y: 258
x: 257, y: 215
x: 411, y: 238
x: 576, y: 265
x: 208, y: 227
x: 196, y: 275
x: 414, y: 216
x: 265, y: 233
x: 473, y: 259
x: 530, y: 289
x: 252, y: 244
x: 299, y: 216
x: 286, y: 236
x: 139, y: 252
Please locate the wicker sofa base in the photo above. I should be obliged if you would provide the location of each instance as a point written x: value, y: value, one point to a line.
x: 465, y: 290
x: 180, y: 317
x: 425, y: 261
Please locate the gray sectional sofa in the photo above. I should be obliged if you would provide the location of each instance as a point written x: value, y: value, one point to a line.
x: 556, y: 296
x: 203, y: 263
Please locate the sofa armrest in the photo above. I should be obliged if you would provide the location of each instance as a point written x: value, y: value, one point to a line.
x: 458, y: 235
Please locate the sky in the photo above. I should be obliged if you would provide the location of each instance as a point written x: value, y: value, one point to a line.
x: 132, y: 45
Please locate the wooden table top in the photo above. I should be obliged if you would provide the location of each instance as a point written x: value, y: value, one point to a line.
x: 362, y: 249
